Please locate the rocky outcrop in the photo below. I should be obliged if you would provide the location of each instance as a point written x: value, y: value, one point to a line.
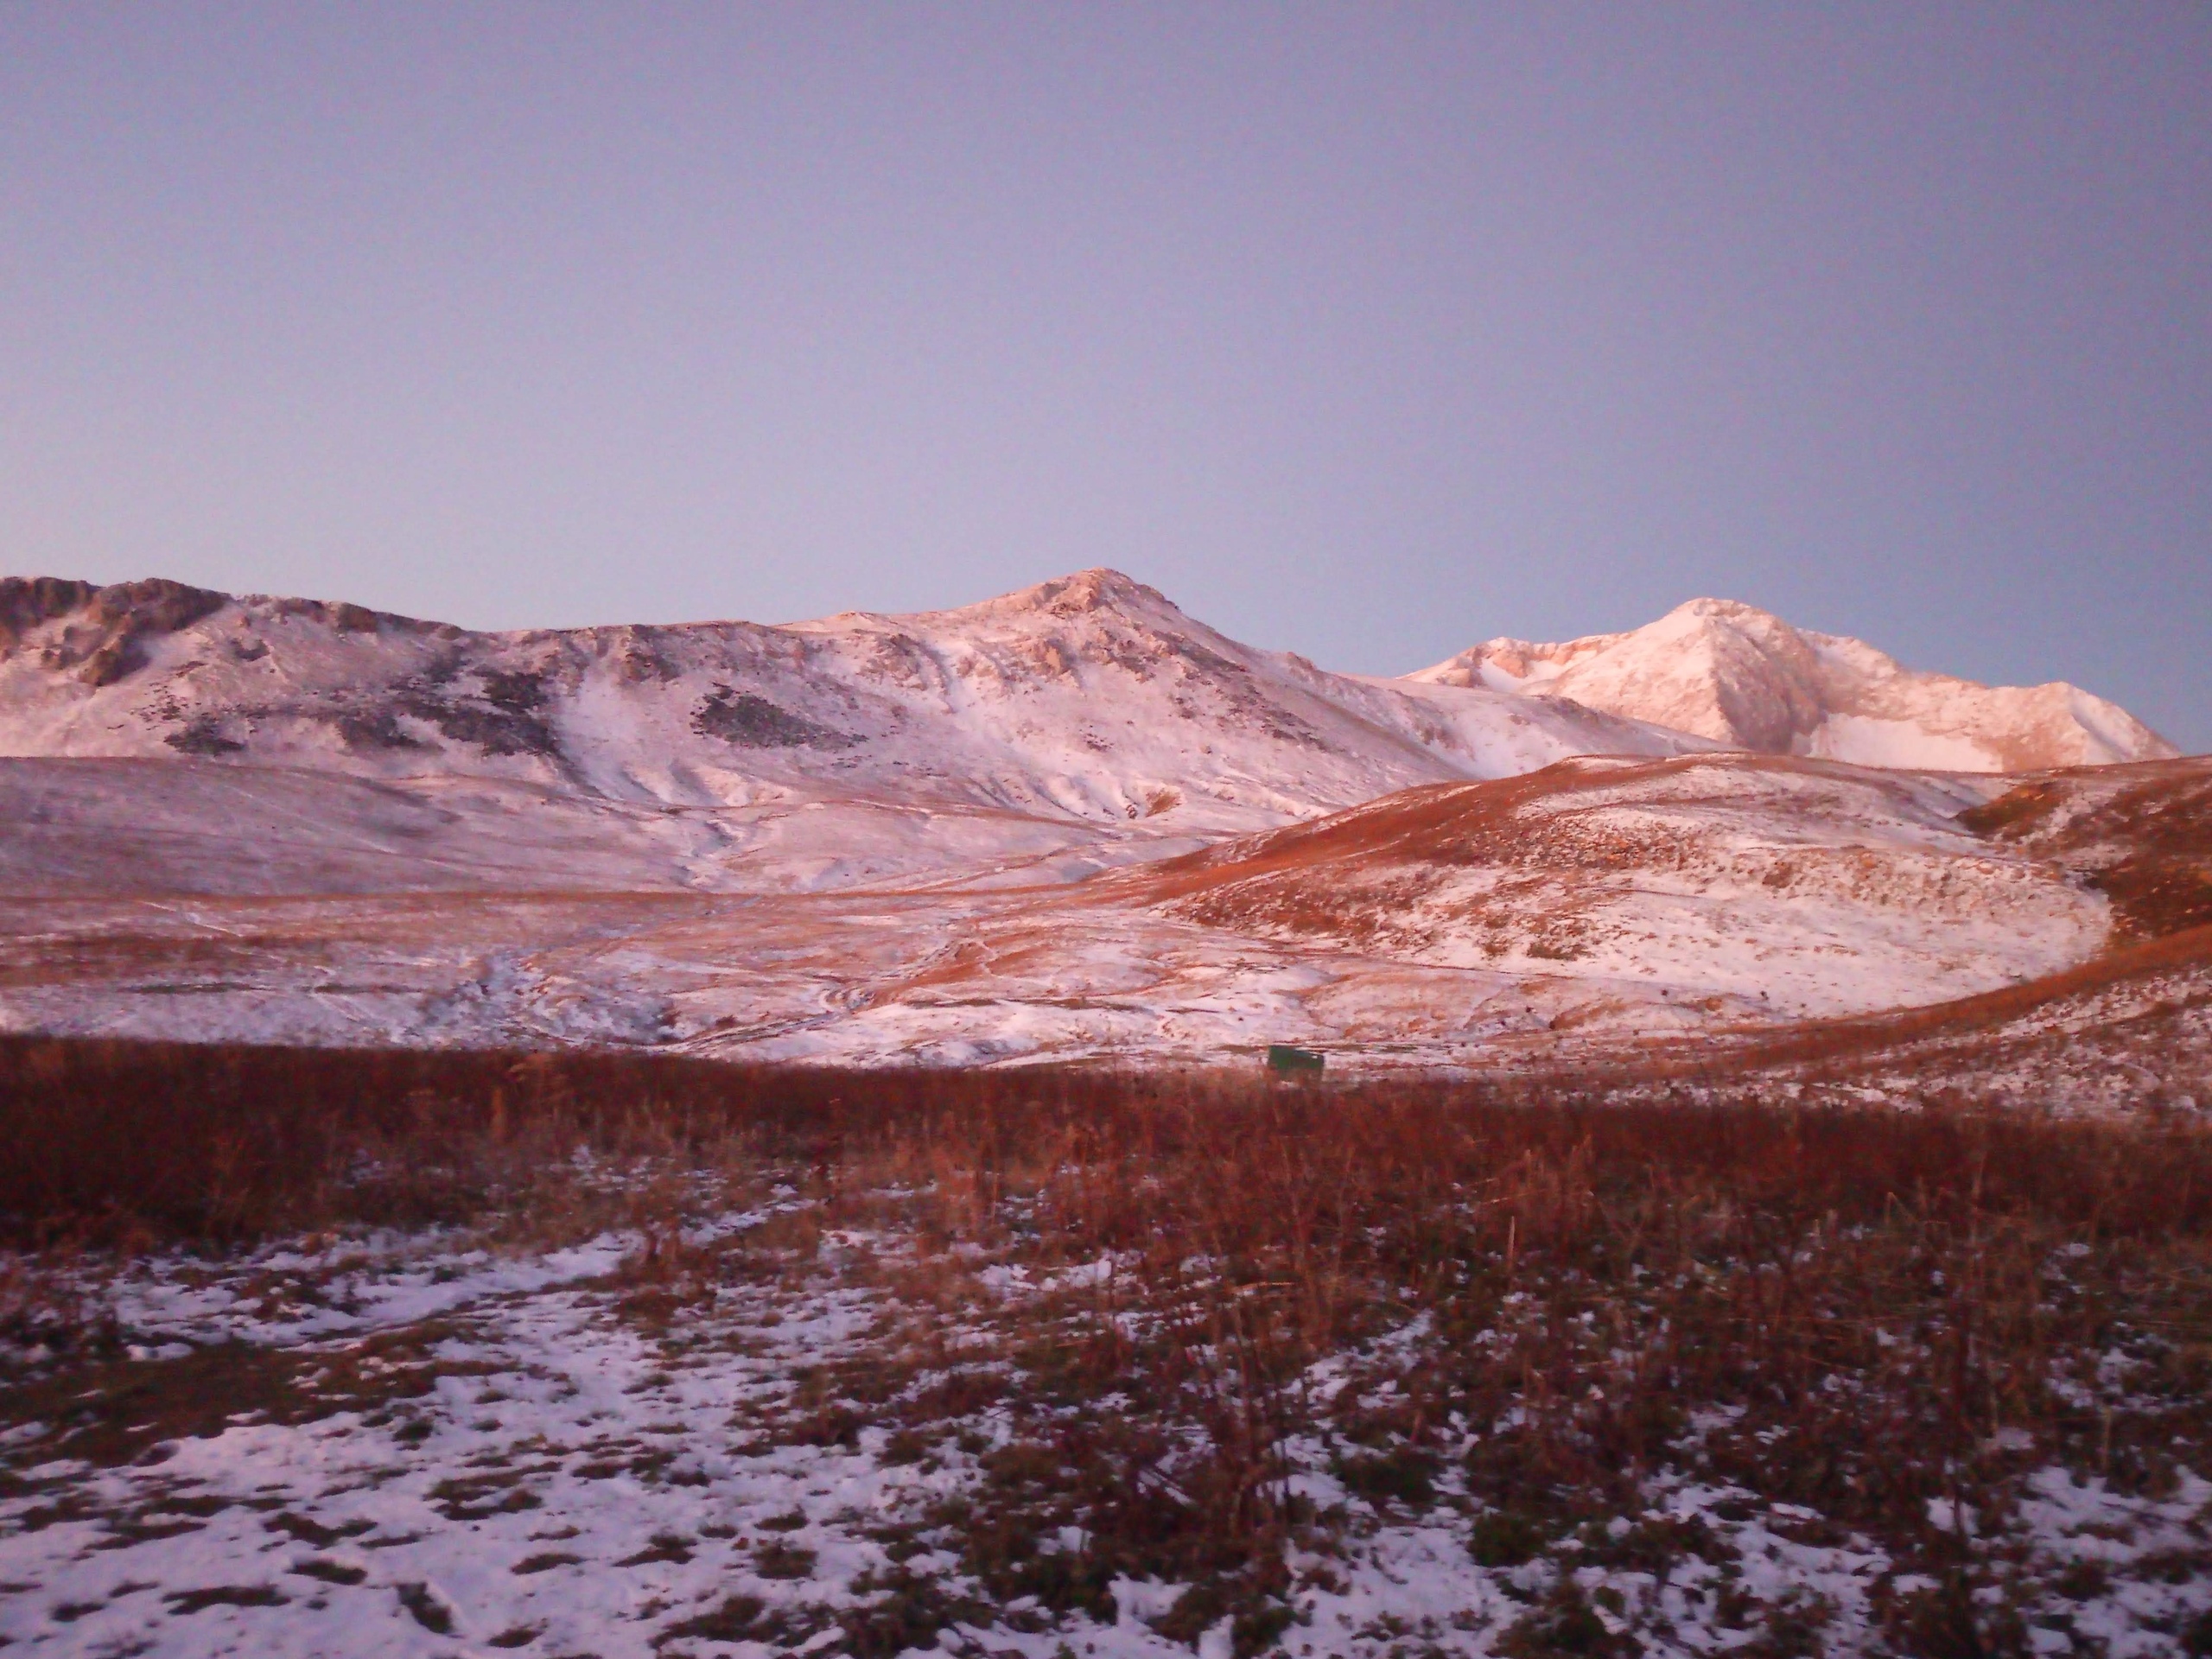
x: 105, y: 629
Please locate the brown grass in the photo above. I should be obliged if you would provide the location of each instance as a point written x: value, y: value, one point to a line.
x: 1856, y: 1303
x: 221, y: 1142
x: 2147, y: 845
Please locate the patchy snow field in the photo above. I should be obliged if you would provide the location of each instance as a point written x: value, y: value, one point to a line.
x: 1593, y: 905
x: 761, y: 1434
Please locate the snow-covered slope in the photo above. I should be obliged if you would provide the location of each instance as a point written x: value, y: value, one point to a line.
x: 1584, y: 910
x: 1745, y: 678
x: 1089, y: 699
x: 1780, y: 887
x: 868, y: 838
x: 184, y: 825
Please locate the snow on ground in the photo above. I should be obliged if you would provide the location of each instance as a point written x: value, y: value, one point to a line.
x: 418, y: 1446
x: 2143, y: 1043
x: 566, y: 1482
x: 948, y: 837
x: 1772, y: 888
x: 1597, y: 902
x: 80, y: 827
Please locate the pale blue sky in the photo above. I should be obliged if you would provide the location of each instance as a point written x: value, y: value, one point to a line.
x: 1363, y: 331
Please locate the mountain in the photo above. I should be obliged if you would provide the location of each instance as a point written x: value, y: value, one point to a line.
x: 1748, y: 680
x: 1091, y: 699
x: 1069, y: 822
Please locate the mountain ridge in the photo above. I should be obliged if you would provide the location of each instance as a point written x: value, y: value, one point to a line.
x: 1089, y: 696
x: 1744, y: 678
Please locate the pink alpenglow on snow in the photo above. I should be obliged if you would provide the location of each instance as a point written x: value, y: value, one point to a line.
x: 1745, y: 678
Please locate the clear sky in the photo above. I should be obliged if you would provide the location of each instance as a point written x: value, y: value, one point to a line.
x: 1366, y: 331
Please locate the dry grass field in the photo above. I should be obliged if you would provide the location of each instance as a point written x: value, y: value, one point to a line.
x: 388, y: 1351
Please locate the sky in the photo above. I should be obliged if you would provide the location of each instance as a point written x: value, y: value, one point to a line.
x: 1367, y: 332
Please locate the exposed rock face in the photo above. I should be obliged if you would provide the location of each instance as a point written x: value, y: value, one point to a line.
x: 26, y: 601
x: 1745, y: 678
x: 106, y: 628
x: 752, y: 721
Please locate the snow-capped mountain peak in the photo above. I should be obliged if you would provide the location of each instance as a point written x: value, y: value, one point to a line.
x: 1744, y: 678
x: 1100, y: 588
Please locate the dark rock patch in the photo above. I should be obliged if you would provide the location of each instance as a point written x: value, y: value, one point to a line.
x: 227, y: 1595
x: 494, y: 730
x: 642, y: 659
x: 517, y: 692
x: 204, y: 736
x: 342, y: 616
x: 381, y: 729
x: 751, y: 721
x: 117, y: 621
x: 426, y: 1608
x: 154, y: 606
